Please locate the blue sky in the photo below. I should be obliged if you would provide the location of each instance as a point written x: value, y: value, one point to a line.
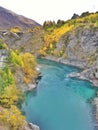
x: 41, y: 10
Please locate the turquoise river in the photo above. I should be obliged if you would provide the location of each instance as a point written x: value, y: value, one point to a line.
x: 60, y: 102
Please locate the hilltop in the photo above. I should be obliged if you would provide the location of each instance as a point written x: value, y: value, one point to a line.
x: 10, y: 19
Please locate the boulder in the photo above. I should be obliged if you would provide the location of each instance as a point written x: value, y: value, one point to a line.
x: 31, y: 126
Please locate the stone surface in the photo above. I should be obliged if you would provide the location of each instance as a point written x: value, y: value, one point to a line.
x: 31, y: 126
x: 3, y: 57
x: 81, y: 46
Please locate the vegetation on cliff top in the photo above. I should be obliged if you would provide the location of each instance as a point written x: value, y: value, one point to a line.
x: 55, y: 31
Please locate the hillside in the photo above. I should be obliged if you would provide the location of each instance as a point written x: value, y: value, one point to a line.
x: 17, y: 70
x: 10, y: 19
x: 30, y: 40
x: 55, y: 32
x: 74, y: 42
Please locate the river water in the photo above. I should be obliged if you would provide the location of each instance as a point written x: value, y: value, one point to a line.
x: 60, y: 102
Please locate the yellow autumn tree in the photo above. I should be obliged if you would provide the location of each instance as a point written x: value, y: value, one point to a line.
x: 29, y: 67
x: 15, y: 58
x: 10, y: 96
x: 15, y: 29
x: 12, y: 118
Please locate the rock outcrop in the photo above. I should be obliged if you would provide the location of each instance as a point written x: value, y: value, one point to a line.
x: 31, y: 126
x: 90, y: 74
x: 75, y: 16
x: 3, y: 57
x: 80, y: 45
x: 24, y: 41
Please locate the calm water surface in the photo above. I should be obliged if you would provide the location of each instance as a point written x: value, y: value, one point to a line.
x: 60, y: 102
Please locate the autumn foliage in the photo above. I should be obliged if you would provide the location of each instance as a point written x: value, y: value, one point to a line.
x: 29, y: 67
x: 55, y: 31
x: 15, y: 29
x: 10, y: 95
x: 12, y: 118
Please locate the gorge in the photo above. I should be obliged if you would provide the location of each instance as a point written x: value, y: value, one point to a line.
x: 60, y: 102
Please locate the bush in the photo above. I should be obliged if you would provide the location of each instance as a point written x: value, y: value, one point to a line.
x: 12, y: 118
x: 15, y: 58
x: 6, y: 79
x: 29, y: 67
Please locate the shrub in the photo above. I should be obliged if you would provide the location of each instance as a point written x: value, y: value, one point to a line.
x: 15, y: 58
x: 6, y: 78
x: 12, y: 118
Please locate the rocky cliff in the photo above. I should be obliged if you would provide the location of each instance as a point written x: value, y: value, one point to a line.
x: 80, y: 46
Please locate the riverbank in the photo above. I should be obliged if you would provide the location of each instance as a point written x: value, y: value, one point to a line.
x: 25, y: 88
x: 89, y: 74
x: 70, y: 62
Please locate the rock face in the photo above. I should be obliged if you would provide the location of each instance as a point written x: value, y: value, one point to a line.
x: 75, y: 16
x: 31, y: 126
x: 3, y: 56
x: 81, y: 45
x: 87, y: 74
x: 23, y: 41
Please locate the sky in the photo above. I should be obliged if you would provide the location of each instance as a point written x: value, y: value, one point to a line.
x: 41, y: 10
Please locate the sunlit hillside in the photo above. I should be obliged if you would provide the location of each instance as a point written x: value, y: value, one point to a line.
x: 53, y: 33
